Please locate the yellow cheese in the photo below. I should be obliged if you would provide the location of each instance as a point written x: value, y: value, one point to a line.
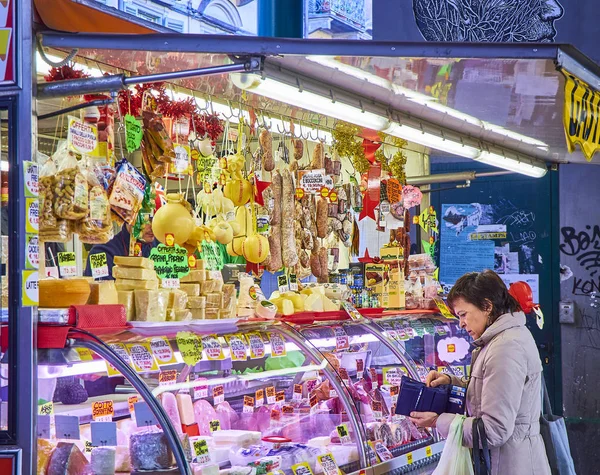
x: 329, y: 305
x: 128, y: 284
x: 198, y: 313
x: 194, y: 276
x: 314, y: 303
x: 142, y: 262
x: 210, y: 313
x: 127, y: 299
x: 200, y: 264
x: 193, y: 290
x: 44, y: 452
x: 227, y: 313
x: 179, y: 315
x: 103, y: 293
x: 178, y: 299
x: 208, y: 286
x: 214, y: 300
x: 229, y: 296
x: 288, y: 307
x: 135, y: 273
x: 62, y: 293
x: 196, y: 302
x: 148, y: 307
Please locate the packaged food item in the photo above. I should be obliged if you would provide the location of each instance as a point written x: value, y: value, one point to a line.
x: 96, y: 227
x: 71, y: 187
x: 127, y: 192
x: 47, y: 177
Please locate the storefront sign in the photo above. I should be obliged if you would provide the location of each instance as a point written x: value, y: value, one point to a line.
x: 581, y: 116
x: 170, y: 262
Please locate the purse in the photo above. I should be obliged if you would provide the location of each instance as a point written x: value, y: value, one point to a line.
x: 556, y: 442
x: 482, y: 464
x: 416, y: 396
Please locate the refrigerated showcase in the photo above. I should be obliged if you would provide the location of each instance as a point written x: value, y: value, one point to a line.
x: 226, y: 395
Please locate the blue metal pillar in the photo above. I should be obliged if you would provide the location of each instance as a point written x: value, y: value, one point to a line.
x: 281, y: 18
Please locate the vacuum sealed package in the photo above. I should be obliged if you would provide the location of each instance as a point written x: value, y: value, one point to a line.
x: 96, y: 227
x: 127, y: 192
x: 71, y: 188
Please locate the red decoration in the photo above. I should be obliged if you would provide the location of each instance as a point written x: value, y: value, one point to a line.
x: 64, y: 73
x: 372, y: 195
x: 259, y: 187
x: 370, y: 148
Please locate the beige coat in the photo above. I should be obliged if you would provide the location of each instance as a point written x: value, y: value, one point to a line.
x: 505, y: 391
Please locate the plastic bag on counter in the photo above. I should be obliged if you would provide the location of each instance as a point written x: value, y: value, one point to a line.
x: 127, y: 192
x: 51, y: 229
x: 96, y: 227
x: 71, y: 189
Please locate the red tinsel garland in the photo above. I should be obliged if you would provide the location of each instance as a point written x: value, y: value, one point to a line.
x: 65, y: 72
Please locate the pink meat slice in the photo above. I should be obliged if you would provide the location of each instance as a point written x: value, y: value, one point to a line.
x: 204, y: 413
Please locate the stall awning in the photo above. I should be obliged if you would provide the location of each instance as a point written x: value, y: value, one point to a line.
x: 88, y: 16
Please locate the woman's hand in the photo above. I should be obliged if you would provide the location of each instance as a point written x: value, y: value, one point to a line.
x: 424, y: 419
x: 435, y: 379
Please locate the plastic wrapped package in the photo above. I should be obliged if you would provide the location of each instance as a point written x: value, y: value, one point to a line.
x: 96, y: 227
x: 151, y: 305
x: 71, y: 187
x: 214, y: 300
x: 127, y: 192
x: 150, y: 451
x: 51, y: 228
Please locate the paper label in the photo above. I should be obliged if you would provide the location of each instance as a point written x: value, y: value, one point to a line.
x: 328, y: 463
x: 297, y: 392
x: 443, y: 308
x: 82, y: 138
x: 190, y: 347
x: 99, y: 265
x: 121, y: 351
x: 141, y: 357
x: 374, y: 378
x: 167, y: 378
x: 313, y: 401
x: 282, y: 283
x: 409, y: 458
x: 133, y: 133
x: 260, y: 397
x: 213, y: 349
x: 302, y: 469
x: 248, y: 404
x: 377, y: 409
x: 382, y: 451
x: 428, y: 451
x: 162, y: 351
x: 200, y: 392
x: 360, y: 368
x: 67, y: 264
x: 144, y: 417
x: 67, y: 427
x: 293, y: 282
x: 344, y: 434
x: 104, y: 434
x: 201, y: 454
x: 280, y: 397
x: 88, y: 446
x: 351, y: 311
x: 170, y: 283
x: 215, y: 425
x: 32, y: 251
x: 218, y: 395
x: 30, y: 293
x: 277, y: 345
x: 392, y: 375
x: 257, y: 346
x: 170, y: 262
x: 30, y: 169
x: 33, y: 215
x: 344, y: 376
x: 271, y: 395
x: 46, y: 409
x: 131, y: 400
x: 103, y: 411
x: 312, y: 181
x: 43, y: 427
x: 237, y: 347
x: 394, y: 391
x: 85, y: 354
x: 342, y: 342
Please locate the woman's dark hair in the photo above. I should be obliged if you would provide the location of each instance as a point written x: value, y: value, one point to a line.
x: 482, y: 289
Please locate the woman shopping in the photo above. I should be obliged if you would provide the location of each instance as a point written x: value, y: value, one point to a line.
x: 506, y: 377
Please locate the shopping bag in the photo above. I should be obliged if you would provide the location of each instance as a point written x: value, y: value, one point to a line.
x: 455, y: 459
x: 554, y: 433
x: 481, y: 452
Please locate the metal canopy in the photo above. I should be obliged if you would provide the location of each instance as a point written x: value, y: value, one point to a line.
x: 516, y: 87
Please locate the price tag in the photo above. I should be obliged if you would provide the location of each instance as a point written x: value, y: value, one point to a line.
x: 282, y: 282
x: 99, y: 265
x: 248, y: 404
x: 67, y: 264
x: 328, y: 463
x: 333, y: 393
x: 31, y: 183
x: 377, y: 409
x: 344, y: 375
x: 257, y: 346
x: 374, y: 378
x: 43, y: 427
x: 144, y: 417
x: 260, y: 397
x: 394, y: 391
x: 237, y: 347
x: 104, y: 434
x: 142, y: 357
x: 162, y: 351
x: 409, y: 458
x: 351, y: 311
x: 46, y: 409
x: 215, y: 425
x: 443, y: 308
x: 392, y: 375
x: 313, y: 401
x: 88, y: 446
x: 67, y: 427
x: 213, y: 349
x: 271, y: 395
x: 190, y: 347
x: 200, y: 392
x: 103, y: 411
x: 428, y: 451
x: 201, y: 454
x: 382, y: 451
x: 293, y: 282
x: 344, y: 434
x: 85, y: 354
x: 302, y: 469
x: 121, y: 351
x: 131, y: 400
x: 218, y: 395
x: 32, y: 251
x: 170, y: 283
x: 299, y: 193
x: 133, y: 133
x: 342, y: 342
x: 297, y: 396
x: 33, y: 215
x: 167, y: 378
x: 287, y: 410
x: 277, y: 345
x: 280, y: 397
x: 275, y: 413
x: 360, y: 368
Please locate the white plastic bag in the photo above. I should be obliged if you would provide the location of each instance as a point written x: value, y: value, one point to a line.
x: 455, y: 459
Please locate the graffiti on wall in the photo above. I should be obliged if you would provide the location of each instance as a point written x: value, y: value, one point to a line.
x: 500, y: 21
x: 584, y: 246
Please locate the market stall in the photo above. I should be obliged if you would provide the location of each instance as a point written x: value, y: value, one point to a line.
x: 218, y: 226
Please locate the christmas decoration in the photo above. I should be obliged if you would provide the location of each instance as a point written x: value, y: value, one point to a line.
x: 347, y: 144
x: 395, y: 165
x: 65, y: 72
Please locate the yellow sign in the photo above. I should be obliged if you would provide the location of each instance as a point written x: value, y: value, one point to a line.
x: 142, y: 357
x: 46, y: 409
x: 84, y: 354
x: 30, y: 294
x: 444, y: 310
x: 581, y: 116
x: 103, y: 410
x: 428, y: 451
x: 161, y: 348
x: 190, y: 347
x: 302, y: 469
x: 119, y: 349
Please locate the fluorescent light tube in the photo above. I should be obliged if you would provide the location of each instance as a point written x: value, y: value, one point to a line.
x: 514, y: 165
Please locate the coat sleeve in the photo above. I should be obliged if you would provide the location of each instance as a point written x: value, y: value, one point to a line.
x: 504, y: 375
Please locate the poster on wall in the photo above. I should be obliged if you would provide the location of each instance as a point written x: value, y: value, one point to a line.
x: 459, y: 253
x: 7, y: 41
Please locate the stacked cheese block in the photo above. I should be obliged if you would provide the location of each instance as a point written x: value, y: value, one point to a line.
x: 208, y: 297
x: 137, y: 289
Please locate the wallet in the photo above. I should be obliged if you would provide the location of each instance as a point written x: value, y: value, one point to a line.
x: 416, y: 396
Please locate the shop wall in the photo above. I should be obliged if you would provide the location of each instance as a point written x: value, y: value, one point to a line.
x: 563, y: 21
x: 580, y: 251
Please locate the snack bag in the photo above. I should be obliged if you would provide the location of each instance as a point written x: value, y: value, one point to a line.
x: 71, y: 189
x: 127, y: 192
x: 96, y: 227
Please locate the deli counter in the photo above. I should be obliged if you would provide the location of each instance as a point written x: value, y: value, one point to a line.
x: 236, y: 397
